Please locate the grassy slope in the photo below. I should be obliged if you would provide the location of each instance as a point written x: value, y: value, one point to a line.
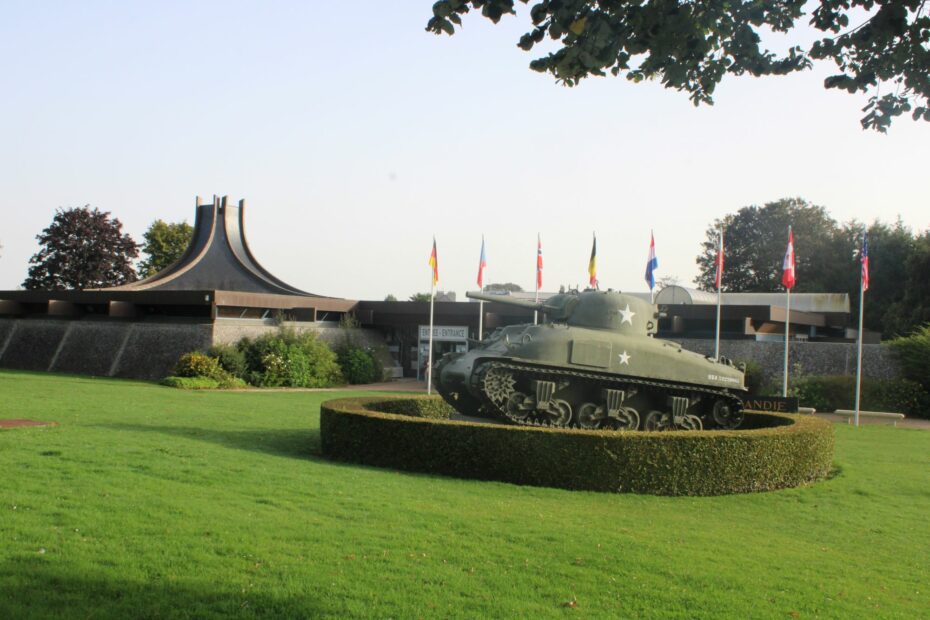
x: 153, y: 502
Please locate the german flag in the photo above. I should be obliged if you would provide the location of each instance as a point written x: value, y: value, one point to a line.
x: 434, y: 263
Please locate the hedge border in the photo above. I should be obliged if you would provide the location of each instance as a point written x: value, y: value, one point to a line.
x: 777, y: 451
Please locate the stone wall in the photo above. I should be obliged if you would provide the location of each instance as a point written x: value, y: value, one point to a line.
x: 137, y: 350
x: 103, y: 348
x: 812, y: 358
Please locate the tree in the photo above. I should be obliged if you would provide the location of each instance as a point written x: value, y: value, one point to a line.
x: 420, y: 297
x: 827, y: 260
x: 506, y: 287
x: 755, y: 240
x: 890, y: 248
x: 666, y: 281
x: 913, y: 309
x: 82, y: 248
x: 164, y: 244
x: 692, y: 46
x: 390, y: 297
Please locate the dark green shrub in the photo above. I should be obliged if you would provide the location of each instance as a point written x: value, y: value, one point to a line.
x: 914, y: 354
x: 776, y: 451
x: 754, y: 377
x: 290, y: 359
x: 191, y: 383
x: 360, y: 365
x: 230, y: 358
x: 197, y: 364
x: 829, y: 393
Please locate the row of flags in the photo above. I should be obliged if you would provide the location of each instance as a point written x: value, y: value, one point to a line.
x: 788, y: 278
x: 651, y: 264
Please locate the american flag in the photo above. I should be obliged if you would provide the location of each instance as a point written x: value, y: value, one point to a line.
x: 539, y: 263
x: 865, y: 261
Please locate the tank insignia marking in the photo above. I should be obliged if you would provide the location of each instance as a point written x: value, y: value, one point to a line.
x: 627, y: 315
x: 624, y: 358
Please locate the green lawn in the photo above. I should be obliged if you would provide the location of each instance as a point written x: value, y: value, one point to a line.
x: 153, y: 502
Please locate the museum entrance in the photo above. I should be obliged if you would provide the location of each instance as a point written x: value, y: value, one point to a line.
x: 446, y: 339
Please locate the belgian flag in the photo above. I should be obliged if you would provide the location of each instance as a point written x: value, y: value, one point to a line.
x: 434, y: 263
x: 592, y: 264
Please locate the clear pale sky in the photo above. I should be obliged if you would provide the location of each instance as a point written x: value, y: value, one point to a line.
x: 354, y: 136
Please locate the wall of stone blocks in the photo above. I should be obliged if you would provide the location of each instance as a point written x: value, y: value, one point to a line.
x: 104, y: 348
x: 812, y: 358
x: 136, y: 350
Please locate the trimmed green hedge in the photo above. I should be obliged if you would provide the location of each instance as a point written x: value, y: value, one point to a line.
x: 773, y: 452
x: 829, y: 393
x: 191, y: 383
x: 429, y: 407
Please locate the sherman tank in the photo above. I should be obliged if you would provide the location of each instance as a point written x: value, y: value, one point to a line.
x: 593, y: 363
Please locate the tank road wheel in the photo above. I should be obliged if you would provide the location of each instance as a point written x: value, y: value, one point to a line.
x: 657, y: 421
x: 519, y: 406
x: 725, y: 416
x: 691, y: 423
x: 590, y: 416
x: 629, y: 419
x: 560, y: 413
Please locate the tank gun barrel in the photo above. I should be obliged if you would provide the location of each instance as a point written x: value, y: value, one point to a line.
x: 507, y: 299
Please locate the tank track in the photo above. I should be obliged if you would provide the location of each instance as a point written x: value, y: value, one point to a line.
x: 603, y: 381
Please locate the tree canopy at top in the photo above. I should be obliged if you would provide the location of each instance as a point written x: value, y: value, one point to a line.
x: 164, y: 244
x: 82, y: 248
x: 691, y: 46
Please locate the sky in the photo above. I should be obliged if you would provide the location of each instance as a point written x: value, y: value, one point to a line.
x: 354, y: 136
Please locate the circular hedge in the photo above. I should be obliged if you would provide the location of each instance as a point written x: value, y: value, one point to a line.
x: 771, y: 451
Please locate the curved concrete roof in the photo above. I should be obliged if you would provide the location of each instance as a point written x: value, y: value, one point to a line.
x: 218, y: 258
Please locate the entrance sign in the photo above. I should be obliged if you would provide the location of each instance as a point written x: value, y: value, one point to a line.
x: 441, y: 333
x: 457, y: 333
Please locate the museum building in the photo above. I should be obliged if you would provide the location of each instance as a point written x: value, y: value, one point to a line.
x: 218, y: 293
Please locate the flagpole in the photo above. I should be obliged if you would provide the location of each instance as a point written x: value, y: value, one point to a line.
x: 481, y: 290
x: 433, y: 276
x: 784, y: 388
x: 481, y: 318
x: 429, y: 357
x: 859, y: 355
x: 536, y: 312
x: 719, y: 279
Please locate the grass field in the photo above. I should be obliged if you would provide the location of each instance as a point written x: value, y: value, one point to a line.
x: 152, y: 502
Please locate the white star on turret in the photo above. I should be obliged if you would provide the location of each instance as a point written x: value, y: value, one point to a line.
x: 627, y: 315
x: 624, y: 358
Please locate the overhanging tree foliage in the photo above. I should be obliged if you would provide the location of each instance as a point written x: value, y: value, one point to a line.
x: 82, y: 248
x: 164, y: 244
x: 691, y: 46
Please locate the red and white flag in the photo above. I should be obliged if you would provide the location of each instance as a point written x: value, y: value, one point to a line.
x: 539, y: 262
x: 719, y: 262
x: 787, y: 276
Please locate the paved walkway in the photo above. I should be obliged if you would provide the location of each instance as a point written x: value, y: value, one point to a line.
x: 905, y: 423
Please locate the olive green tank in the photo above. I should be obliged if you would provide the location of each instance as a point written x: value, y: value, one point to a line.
x: 592, y: 363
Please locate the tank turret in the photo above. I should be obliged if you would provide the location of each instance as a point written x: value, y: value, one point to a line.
x: 593, y: 363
